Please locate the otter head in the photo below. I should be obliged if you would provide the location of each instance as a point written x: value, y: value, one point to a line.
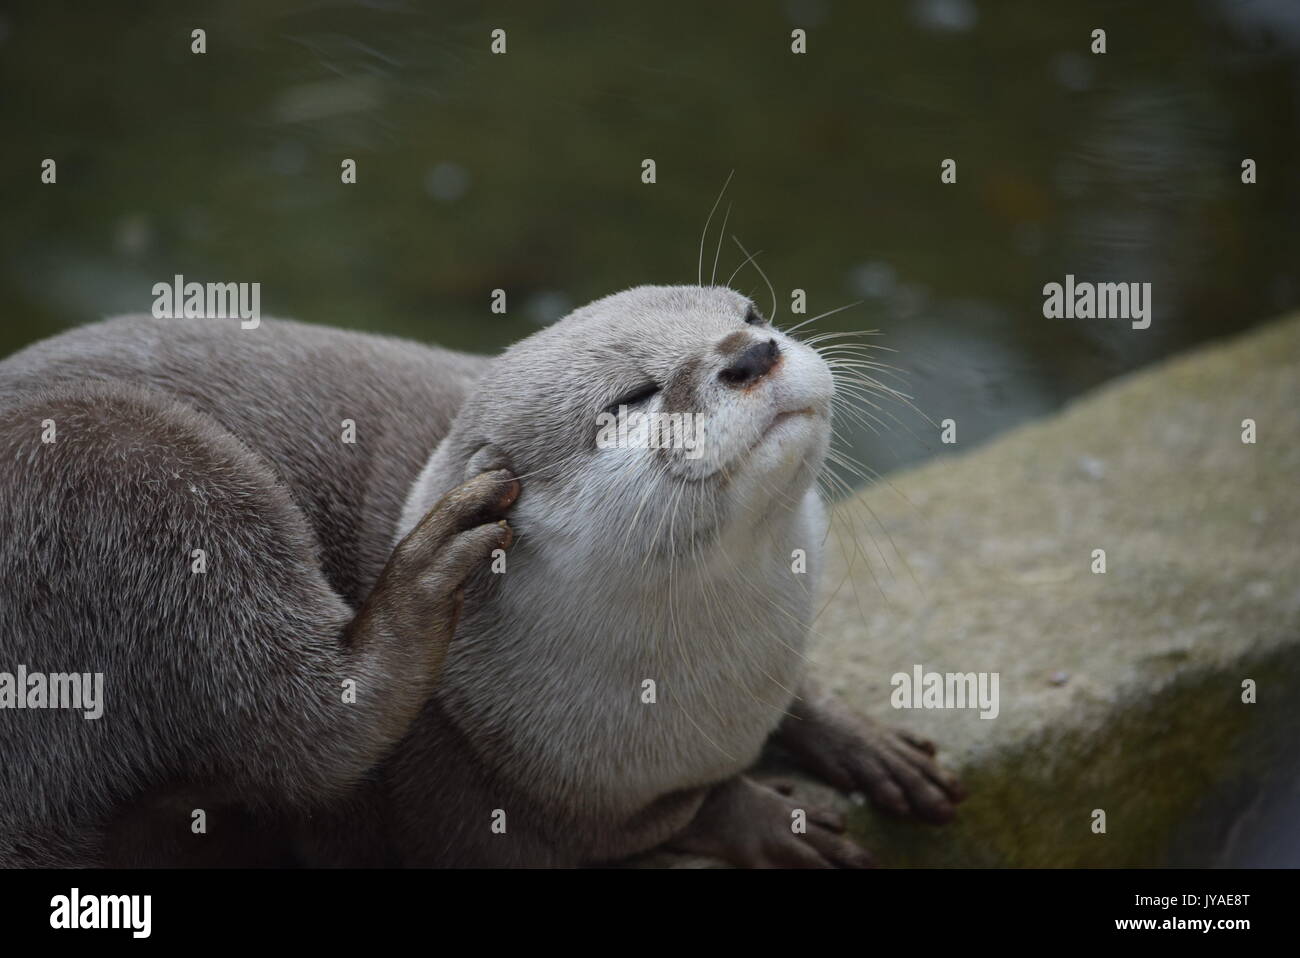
x: 656, y: 422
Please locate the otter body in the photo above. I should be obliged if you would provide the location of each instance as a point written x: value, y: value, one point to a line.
x: 610, y: 681
x: 222, y: 688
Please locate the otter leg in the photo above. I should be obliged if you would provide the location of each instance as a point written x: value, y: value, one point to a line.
x: 148, y: 545
x: 752, y: 825
x: 422, y: 587
x: 896, y: 769
x: 419, y: 592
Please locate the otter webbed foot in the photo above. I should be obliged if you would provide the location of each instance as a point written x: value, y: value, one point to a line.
x: 749, y: 824
x: 894, y: 768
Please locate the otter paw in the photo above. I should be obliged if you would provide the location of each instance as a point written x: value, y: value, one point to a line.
x: 421, y: 590
x: 894, y: 768
x: 753, y: 826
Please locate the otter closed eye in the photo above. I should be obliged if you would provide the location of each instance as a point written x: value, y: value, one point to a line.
x: 638, y: 395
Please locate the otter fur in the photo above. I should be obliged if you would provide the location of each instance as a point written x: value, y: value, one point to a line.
x: 499, y: 591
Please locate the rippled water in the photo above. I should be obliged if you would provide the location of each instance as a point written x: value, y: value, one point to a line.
x: 523, y: 171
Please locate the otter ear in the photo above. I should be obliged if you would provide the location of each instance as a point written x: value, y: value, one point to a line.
x: 486, y: 459
x: 440, y: 475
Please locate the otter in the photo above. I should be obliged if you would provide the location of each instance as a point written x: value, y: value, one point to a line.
x: 473, y: 635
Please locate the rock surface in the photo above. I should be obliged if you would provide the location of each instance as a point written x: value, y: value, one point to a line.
x: 1119, y: 691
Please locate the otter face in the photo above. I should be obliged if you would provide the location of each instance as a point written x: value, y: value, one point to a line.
x: 657, y: 420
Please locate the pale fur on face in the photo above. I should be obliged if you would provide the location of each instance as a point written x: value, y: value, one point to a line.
x: 636, y: 564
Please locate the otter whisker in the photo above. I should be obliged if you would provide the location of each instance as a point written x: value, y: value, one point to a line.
x: 848, y: 462
x: 842, y: 334
x: 855, y: 351
x: 699, y: 271
x: 846, y: 363
x: 877, y: 388
x: 851, y: 362
x: 863, y: 395
x: 860, y: 393
x: 813, y: 319
x: 879, y: 551
x: 848, y: 574
x: 743, y: 263
x: 770, y: 288
x: 718, y: 252
x: 862, y: 412
x: 865, y: 350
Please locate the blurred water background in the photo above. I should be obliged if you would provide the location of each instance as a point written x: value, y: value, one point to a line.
x: 522, y: 171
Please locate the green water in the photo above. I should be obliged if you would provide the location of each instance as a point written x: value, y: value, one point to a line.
x: 523, y: 171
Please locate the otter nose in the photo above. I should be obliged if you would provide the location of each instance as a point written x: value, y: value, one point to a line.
x: 751, y: 364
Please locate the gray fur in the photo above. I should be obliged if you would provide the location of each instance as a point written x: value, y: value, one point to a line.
x: 223, y: 689
x: 181, y: 434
